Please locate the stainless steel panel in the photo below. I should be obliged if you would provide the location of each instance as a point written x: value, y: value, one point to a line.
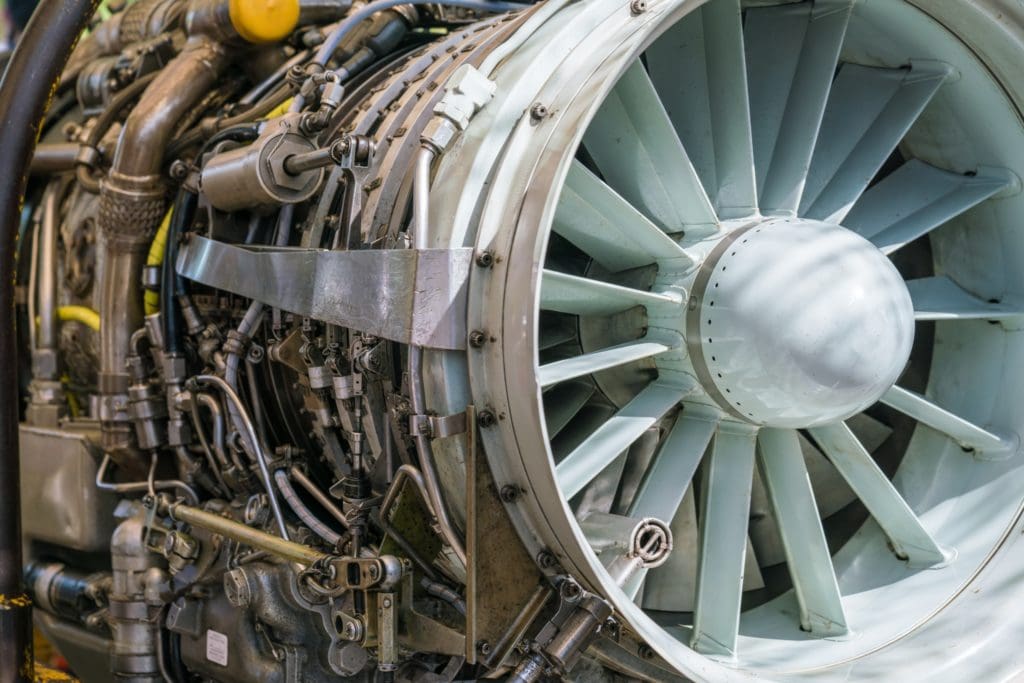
x: 405, y: 295
x: 60, y: 502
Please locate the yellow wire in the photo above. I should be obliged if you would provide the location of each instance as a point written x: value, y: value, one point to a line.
x: 80, y: 314
x: 281, y: 110
x: 156, y: 258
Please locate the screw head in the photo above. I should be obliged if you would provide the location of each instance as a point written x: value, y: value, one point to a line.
x: 638, y: 7
x: 477, y: 338
x: 485, y: 418
x: 485, y: 259
x: 179, y: 170
x: 509, y: 493
x: 483, y: 647
x: 546, y: 560
x: 538, y: 111
x: 644, y: 651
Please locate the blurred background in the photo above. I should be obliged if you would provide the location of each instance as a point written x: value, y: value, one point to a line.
x: 14, y: 14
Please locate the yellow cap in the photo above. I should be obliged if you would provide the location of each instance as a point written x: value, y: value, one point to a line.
x: 264, y: 21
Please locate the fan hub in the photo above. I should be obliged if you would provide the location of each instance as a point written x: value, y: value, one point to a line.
x: 798, y: 323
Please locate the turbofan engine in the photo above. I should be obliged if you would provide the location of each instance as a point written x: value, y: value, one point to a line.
x: 595, y: 339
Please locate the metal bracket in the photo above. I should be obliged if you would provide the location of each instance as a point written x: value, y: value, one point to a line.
x: 405, y: 295
x: 438, y: 426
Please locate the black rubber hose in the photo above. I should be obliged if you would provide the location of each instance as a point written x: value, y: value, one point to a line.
x: 28, y: 82
x: 170, y: 311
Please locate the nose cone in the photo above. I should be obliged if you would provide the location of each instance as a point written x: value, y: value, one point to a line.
x: 803, y: 323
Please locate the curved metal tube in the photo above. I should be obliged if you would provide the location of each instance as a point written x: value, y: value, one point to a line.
x: 186, y: 79
x: 131, y: 208
x: 47, y: 292
x: 404, y: 472
x: 303, y: 512
x: 141, y: 486
x: 217, y: 441
x: 417, y: 399
x: 250, y: 433
x: 313, y: 490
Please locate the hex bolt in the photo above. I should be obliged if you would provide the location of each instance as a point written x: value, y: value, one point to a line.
x: 485, y: 259
x: 179, y: 170
x: 483, y: 647
x: 485, y: 418
x: 509, y: 493
x: 546, y: 560
x: 644, y: 651
x: 538, y: 111
x: 477, y: 338
x: 638, y: 7
x: 571, y: 590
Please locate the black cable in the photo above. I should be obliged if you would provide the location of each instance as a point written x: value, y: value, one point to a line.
x: 28, y: 81
x: 171, y: 285
x: 257, y: 111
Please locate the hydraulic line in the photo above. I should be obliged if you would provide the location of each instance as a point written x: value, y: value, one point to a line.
x: 32, y: 74
x: 349, y: 24
x: 303, y: 512
x: 417, y: 398
x: 318, y: 495
x: 141, y: 486
x: 250, y: 434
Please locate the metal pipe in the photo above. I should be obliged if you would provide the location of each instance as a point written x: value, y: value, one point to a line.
x: 417, y: 398
x: 32, y: 74
x: 55, y: 157
x: 33, y: 281
x: 443, y: 592
x: 303, y: 512
x: 131, y: 209
x: 47, y: 292
x: 313, y: 490
x: 421, y: 196
x: 404, y: 472
x: 255, y: 310
x: 140, y: 486
x: 293, y: 552
x: 186, y: 79
x: 217, y: 440
x: 250, y: 433
x: 216, y: 460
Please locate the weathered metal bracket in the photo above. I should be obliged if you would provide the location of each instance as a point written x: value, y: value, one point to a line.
x: 437, y: 426
x: 505, y: 591
x: 405, y: 295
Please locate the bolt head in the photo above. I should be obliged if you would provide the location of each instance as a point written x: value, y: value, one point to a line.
x: 509, y: 493
x: 485, y: 259
x: 477, y: 338
x: 546, y: 560
x: 638, y: 7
